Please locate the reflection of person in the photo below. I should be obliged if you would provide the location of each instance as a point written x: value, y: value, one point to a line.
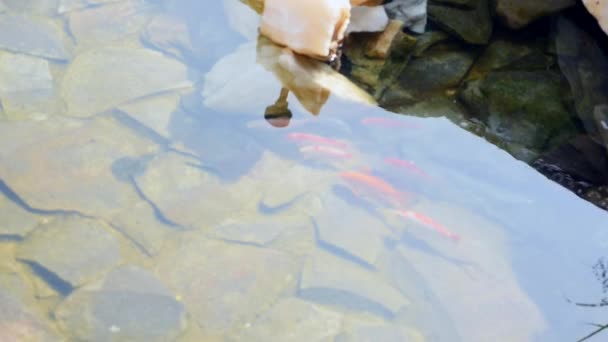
x: 279, y: 114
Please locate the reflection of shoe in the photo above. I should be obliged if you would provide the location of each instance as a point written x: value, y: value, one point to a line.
x: 278, y: 114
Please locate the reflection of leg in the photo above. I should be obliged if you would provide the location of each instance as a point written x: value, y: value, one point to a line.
x: 279, y: 114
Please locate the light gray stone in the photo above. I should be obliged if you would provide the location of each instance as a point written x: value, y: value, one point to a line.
x: 328, y: 279
x: 17, y: 323
x: 33, y: 36
x: 100, y: 79
x: 225, y: 285
x: 75, y: 250
x: 132, y: 305
x: 294, y: 320
x: 16, y: 222
x: 357, y: 234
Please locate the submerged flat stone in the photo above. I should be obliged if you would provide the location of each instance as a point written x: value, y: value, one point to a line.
x: 16, y: 221
x: 358, y: 234
x: 131, y: 305
x: 35, y: 154
x: 70, y: 5
x: 26, y: 86
x: 154, y: 113
x: 187, y: 194
x: 41, y: 7
x: 142, y: 227
x: 32, y: 36
x: 255, y: 232
x: 19, y: 324
x: 100, y: 79
x: 102, y: 24
x: 75, y: 250
x: 225, y: 285
x: 330, y: 280
x: 293, y: 319
x: 384, y: 333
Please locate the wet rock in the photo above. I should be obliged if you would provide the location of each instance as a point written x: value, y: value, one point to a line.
x: 19, y: 324
x: 69, y: 5
x: 436, y: 71
x: 504, y: 54
x: 257, y: 232
x: 117, y: 75
x: 35, y: 154
x: 27, y: 87
x: 32, y: 36
x: 169, y: 34
x: 293, y: 185
x: 155, y: 112
x: 428, y: 40
x: 73, y: 250
x: 225, y: 286
x: 371, y: 333
x: 357, y: 235
x: 519, y: 13
x: 472, y: 25
x: 103, y: 24
x: 521, y: 107
x: 140, y: 224
x: 16, y: 222
x: 600, y: 114
x: 187, y: 194
x: 598, y: 196
x: 131, y: 305
x: 582, y: 158
x: 330, y: 280
x: 293, y: 319
x: 13, y: 283
x: 583, y: 63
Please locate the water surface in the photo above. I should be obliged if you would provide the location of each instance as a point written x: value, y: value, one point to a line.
x: 145, y: 197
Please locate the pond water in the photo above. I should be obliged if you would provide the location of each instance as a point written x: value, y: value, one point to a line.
x: 146, y: 198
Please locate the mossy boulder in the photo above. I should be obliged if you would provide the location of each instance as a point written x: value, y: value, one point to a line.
x: 523, y: 107
x: 473, y: 25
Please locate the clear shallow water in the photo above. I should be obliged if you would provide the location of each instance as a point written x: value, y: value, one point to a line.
x: 146, y: 198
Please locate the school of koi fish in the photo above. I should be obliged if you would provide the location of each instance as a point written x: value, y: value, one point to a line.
x: 365, y: 183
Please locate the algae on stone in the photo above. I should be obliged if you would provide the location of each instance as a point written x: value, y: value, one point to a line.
x: 472, y: 25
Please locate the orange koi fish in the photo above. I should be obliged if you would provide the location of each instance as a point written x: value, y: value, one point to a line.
x: 385, y: 122
x: 429, y: 223
x: 363, y: 182
x: 326, y: 150
x: 313, y: 138
x: 407, y: 165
